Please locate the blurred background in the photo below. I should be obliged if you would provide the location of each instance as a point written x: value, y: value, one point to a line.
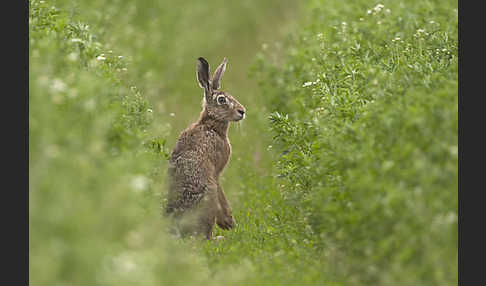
x: 344, y: 171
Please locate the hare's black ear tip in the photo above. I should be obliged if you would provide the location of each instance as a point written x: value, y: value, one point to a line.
x: 201, y: 59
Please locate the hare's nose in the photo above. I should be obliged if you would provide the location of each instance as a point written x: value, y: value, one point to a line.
x: 241, y: 111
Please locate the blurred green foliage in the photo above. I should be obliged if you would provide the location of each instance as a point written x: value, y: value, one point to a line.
x: 363, y: 104
x: 91, y: 215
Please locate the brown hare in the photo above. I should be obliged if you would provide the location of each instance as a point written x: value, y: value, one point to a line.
x: 195, y: 198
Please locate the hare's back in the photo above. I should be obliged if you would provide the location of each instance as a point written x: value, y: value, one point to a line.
x: 189, y: 180
x: 191, y: 147
x: 189, y: 162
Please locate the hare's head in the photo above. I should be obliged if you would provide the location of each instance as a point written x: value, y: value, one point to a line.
x: 218, y: 104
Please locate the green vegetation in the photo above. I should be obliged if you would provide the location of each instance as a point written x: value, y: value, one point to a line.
x: 343, y: 173
x: 365, y: 123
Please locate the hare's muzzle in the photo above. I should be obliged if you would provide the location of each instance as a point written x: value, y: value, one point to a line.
x: 241, y: 112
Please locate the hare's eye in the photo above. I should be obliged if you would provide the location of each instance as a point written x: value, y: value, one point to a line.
x: 221, y: 99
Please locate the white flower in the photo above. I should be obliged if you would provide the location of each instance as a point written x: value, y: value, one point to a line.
x: 124, y: 263
x: 101, y: 57
x: 73, y: 56
x: 378, y: 7
x: 58, y: 85
x: 139, y: 183
x: 150, y: 110
x: 309, y: 83
x: 172, y: 114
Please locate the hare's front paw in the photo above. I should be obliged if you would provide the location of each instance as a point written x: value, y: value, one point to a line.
x: 227, y: 222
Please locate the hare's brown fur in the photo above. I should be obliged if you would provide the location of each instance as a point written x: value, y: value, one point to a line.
x: 196, y: 198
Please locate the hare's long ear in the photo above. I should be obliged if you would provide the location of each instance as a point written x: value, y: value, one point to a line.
x: 203, y: 73
x: 218, y: 74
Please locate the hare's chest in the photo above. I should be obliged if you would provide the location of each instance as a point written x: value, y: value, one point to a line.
x: 222, y: 154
